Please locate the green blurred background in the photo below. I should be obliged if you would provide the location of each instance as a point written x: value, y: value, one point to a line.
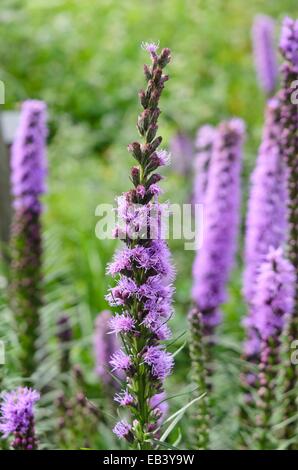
x: 84, y: 59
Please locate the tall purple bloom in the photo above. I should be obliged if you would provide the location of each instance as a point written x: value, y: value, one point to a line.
x: 28, y: 168
x: 289, y: 150
x: 274, y: 301
x: 221, y: 216
x: 182, y: 153
x: 204, y: 144
x: 104, y: 345
x: 266, y: 216
x: 264, y: 52
x: 220, y: 194
x: 17, y: 417
x: 143, y: 293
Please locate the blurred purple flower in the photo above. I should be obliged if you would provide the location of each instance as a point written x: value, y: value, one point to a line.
x: 264, y: 52
x: 214, y: 259
x: 266, y: 216
x: 28, y: 160
x: 182, y: 153
x: 204, y: 144
x: 104, y: 346
x: 274, y: 298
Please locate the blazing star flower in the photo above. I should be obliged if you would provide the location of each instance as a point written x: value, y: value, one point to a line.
x: 289, y: 150
x: 120, y: 361
x: 266, y: 216
x: 214, y: 260
x: 204, y: 144
x: 124, y: 398
x: 274, y: 299
x: 143, y: 270
x: 160, y: 361
x: 274, y: 302
x: 264, y: 52
x: 122, y: 430
x: 17, y: 417
x: 151, y: 47
x: 28, y: 171
x: 121, y: 324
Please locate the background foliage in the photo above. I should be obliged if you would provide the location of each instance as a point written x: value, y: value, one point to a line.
x: 84, y: 60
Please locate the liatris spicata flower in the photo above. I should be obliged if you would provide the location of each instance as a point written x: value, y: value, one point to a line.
x: 182, y: 153
x: 143, y: 294
x: 64, y: 335
x: 214, y: 259
x: 221, y: 216
x: 264, y: 52
x: 266, y: 217
x: 17, y: 417
x: 104, y: 346
x: 289, y: 149
x: 28, y: 168
x: 204, y: 144
x: 274, y: 301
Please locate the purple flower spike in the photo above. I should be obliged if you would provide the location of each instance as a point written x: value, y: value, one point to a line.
x: 143, y: 292
x: 288, y: 142
x: 214, y: 259
x: 28, y: 161
x: 274, y: 299
x: 17, y: 417
x: 264, y: 52
x: 28, y: 170
x: 122, y: 430
x: 266, y: 216
x: 204, y: 144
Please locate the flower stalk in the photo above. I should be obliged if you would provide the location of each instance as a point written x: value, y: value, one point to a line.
x: 143, y: 293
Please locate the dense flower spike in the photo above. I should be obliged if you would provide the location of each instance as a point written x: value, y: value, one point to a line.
x: 104, y: 346
x: 17, y: 417
x: 28, y: 168
x: 143, y: 292
x: 264, y: 52
x: 221, y: 216
x: 266, y: 216
x: 289, y: 149
x: 182, y: 153
x: 219, y: 191
x: 204, y: 144
x: 274, y: 301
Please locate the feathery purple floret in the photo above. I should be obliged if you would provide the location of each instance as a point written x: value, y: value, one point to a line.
x: 122, y: 429
x: 104, y: 345
x: 17, y: 417
x: 274, y: 298
x: 221, y: 217
x: 264, y: 52
x: 160, y: 361
x: 28, y: 161
x: 266, y: 216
